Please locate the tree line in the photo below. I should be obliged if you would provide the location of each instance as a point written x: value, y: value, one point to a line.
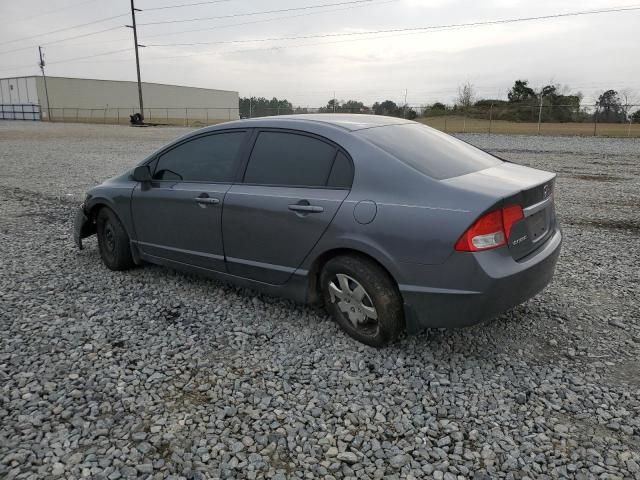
x: 522, y: 105
x: 262, y: 107
x: 558, y: 105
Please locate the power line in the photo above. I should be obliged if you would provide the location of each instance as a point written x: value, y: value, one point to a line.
x: 308, y: 7
x: 394, y: 32
x: 206, y: 53
x: 181, y: 5
x: 417, y: 30
x: 266, y: 20
x: 217, y: 27
x: 67, y: 60
x: 228, y: 25
x: 414, y: 29
x: 53, y: 42
x: 278, y: 47
x: 426, y: 29
x: 303, y: 37
x: 67, y: 28
x: 83, y: 35
x: 61, y: 40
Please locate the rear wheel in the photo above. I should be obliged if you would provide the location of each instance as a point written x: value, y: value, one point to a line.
x: 363, y: 299
x: 113, y: 241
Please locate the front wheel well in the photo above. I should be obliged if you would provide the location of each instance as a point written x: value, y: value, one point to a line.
x: 92, y: 215
x: 93, y: 211
x: 314, y: 295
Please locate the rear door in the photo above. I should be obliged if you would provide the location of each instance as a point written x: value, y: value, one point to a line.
x: 178, y: 216
x: 292, y: 188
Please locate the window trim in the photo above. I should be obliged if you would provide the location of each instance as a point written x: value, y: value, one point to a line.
x: 155, y: 160
x: 304, y: 133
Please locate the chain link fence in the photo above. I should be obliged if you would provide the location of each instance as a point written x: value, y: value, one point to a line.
x: 176, y: 116
x: 506, y: 118
x: 591, y: 120
x: 499, y: 118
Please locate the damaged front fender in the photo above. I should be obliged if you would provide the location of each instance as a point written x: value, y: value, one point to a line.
x: 83, y: 226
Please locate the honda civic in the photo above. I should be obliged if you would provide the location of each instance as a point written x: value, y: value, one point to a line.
x: 392, y: 225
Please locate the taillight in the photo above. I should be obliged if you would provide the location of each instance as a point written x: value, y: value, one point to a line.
x: 510, y: 215
x: 491, y: 230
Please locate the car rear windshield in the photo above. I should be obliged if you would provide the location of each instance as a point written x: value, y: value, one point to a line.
x: 429, y: 151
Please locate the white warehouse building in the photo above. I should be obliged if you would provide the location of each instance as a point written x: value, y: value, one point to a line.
x: 112, y: 101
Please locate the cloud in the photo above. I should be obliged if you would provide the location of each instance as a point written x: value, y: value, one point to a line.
x: 595, y: 51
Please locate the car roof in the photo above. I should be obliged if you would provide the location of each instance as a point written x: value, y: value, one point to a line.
x: 346, y: 121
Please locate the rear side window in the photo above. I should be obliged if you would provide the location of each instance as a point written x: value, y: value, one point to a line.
x: 281, y: 158
x: 341, y: 175
x: 211, y: 158
x: 429, y: 151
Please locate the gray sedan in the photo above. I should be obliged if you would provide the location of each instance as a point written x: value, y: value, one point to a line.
x: 390, y: 224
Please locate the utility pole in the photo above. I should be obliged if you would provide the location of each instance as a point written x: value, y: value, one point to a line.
x: 334, y: 101
x: 135, y: 41
x: 44, y: 77
x: 490, y: 117
x: 404, y: 108
x: 540, y: 112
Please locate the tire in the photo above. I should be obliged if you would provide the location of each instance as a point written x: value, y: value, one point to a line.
x: 113, y: 241
x: 339, y: 282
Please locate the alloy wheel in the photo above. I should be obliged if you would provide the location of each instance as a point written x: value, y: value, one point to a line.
x: 354, y: 301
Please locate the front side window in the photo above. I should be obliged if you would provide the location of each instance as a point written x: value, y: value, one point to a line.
x: 211, y: 158
x: 281, y: 158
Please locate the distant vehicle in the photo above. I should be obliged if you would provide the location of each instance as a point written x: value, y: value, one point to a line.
x: 391, y: 224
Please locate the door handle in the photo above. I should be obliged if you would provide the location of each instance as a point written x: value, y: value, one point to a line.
x: 306, y: 208
x: 207, y: 200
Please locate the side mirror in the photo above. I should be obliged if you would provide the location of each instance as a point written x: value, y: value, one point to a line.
x: 142, y: 174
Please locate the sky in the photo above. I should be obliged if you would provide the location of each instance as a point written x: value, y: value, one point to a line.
x: 238, y: 47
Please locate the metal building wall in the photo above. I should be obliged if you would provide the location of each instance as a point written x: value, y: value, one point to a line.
x: 113, y: 101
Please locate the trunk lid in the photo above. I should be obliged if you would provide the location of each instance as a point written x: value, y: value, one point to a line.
x: 511, y: 184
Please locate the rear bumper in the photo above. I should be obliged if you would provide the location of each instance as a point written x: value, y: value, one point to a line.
x: 479, y: 286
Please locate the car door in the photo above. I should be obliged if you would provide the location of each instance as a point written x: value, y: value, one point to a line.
x: 292, y: 188
x: 178, y: 215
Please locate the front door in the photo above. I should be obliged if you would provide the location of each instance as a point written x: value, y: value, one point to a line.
x: 293, y: 186
x: 178, y: 216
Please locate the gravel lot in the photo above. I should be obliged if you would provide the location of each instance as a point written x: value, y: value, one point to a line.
x: 154, y: 374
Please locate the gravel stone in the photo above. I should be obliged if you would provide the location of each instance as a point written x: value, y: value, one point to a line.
x: 145, y: 468
x: 347, y: 457
x: 58, y: 469
x: 399, y: 461
x: 153, y: 373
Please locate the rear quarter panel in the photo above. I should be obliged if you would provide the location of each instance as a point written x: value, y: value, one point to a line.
x: 418, y: 219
